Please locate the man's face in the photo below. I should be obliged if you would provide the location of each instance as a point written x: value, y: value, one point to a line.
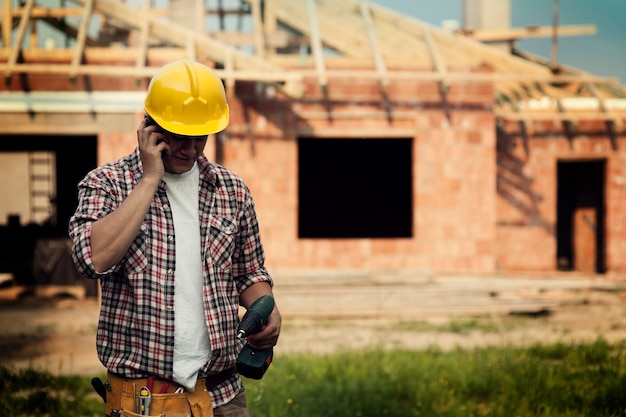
x: 184, y: 151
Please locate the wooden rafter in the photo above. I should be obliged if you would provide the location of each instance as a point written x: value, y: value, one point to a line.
x: 316, y: 44
x: 343, y: 35
x: 7, y: 23
x: 395, y: 48
x: 259, y: 33
x: 616, y: 121
x: 176, y: 34
x: 21, y: 31
x: 144, y: 35
x: 436, y: 58
x: 80, y: 39
x: 373, y: 41
x: 514, y: 34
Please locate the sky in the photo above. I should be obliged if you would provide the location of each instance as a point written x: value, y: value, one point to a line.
x: 602, y: 54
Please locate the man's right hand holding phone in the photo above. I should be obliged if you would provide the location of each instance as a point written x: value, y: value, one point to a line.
x: 152, y: 145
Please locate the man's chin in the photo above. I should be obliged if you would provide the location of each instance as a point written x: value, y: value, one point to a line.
x: 180, y: 167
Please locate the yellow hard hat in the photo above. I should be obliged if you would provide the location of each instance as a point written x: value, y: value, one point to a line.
x: 187, y: 98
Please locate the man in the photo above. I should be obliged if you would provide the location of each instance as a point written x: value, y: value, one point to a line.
x: 175, y: 242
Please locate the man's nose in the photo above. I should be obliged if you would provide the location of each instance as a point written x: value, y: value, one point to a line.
x: 188, y: 146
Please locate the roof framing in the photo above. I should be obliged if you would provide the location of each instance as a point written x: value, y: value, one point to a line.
x: 288, y: 41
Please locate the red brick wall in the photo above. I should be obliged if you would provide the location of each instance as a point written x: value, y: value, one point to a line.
x: 527, y: 185
x: 454, y: 173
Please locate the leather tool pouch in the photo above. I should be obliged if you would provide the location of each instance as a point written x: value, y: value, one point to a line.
x: 200, y: 400
x: 186, y: 404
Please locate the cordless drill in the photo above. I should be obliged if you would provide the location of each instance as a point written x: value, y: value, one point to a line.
x: 252, y: 363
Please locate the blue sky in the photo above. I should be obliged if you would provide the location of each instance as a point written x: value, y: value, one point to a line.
x: 602, y: 54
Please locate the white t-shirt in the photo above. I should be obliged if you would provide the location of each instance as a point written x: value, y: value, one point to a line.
x: 191, y: 336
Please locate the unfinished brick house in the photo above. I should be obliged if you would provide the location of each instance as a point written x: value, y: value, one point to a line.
x: 370, y: 140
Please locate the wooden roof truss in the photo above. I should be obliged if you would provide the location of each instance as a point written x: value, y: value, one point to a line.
x: 291, y: 40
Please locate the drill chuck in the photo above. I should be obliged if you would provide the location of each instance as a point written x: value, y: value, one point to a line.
x: 256, y: 316
x: 251, y: 323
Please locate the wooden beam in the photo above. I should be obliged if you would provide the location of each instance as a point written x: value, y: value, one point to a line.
x: 259, y: 33
x: 20, y: 33
x: 272, y: 40
x: 32, y: 38
x: 556, y: 116
x: 437, y: 61
x: 144, y: 35
x: 39, y: 12
x: 316, y: 44
x: 7, y: 23
x: 514, y: 34
x: 342, y: 34
x: 148, y: 71
x: 229, y: 75
x: 440, y: 67
x: 373, y: 41
x: 269, y: 19
x: 177, y: 34
x: 291, y: 74
x: 591, y: 87
x: 82, y: 36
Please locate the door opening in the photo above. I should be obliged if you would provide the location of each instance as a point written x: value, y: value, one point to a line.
x: 580, y: 216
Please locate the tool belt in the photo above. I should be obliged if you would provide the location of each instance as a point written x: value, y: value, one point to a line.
x: 123, y: 396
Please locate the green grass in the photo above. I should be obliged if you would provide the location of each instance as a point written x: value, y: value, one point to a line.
x: 541, y: 380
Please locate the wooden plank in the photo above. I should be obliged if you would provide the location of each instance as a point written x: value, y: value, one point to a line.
x: 316, y: 44
x: 457, y: 50
x: 21, y: 31
x: 549, y: 116
x: 619, y: 125
x: 272, y: 40
x: 259, y: 34
x: 144, y: 35
x: 82, y: 36
x: 436, y: 58
x: 132, y: 71
x: 179, y: 35
x: 94, y: 54
x: 39, y: 12
x: 7, y: 23
x: 343, y: 36
x: 290, y: 74
x: 514, y: 34
x: 373, y: 41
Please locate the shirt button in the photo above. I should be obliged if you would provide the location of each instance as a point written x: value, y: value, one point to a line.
x: 170, y: 271
x: 166, y: 207
x: 170, y: 238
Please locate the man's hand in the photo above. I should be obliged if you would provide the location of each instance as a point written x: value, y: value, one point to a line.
x: 267, y: 337
x: 152, y: 143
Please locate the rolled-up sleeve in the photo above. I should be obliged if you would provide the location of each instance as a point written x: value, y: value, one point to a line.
x: 249, y: 263
x: 94, y: 202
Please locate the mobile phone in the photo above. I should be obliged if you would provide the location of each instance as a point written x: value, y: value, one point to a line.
x: 149, y: 120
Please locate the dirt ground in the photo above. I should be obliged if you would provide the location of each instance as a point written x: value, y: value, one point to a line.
x: 58, y: 335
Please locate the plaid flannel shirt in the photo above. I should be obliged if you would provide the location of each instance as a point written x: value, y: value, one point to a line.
x: 135, y: 335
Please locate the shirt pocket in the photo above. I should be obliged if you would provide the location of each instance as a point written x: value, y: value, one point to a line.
x: 222, y: 232
x: 136, y: 257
